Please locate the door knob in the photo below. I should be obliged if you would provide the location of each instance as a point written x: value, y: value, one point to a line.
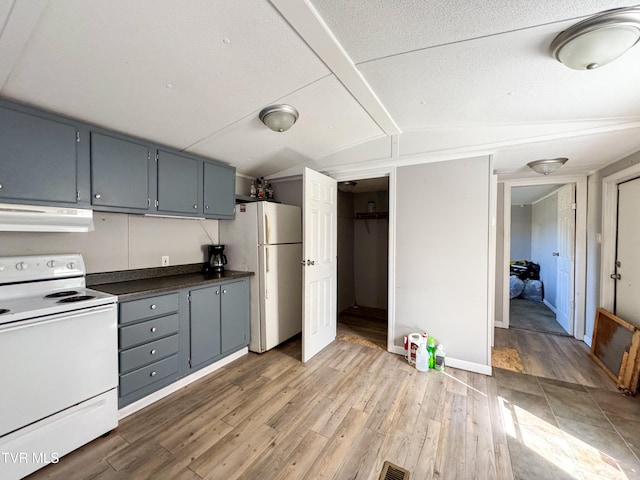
x: 556, y: 254
x: 615, y: 276
x: 311, y: 262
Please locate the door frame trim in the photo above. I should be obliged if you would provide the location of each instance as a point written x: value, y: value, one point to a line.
x: 610, y: 231
x: 391, y: 267
x: 580, y: 273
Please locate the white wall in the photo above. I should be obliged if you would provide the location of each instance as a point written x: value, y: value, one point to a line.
x: 121, y: 242
x: 443, y: 227
x: 544, y: 241
x: 288, y: 191
x: 521, y: 232
x: 346, y: 292
x: 370, y: 253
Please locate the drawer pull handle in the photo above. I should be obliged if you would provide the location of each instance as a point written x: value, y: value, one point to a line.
x: 153, y: 329
x: 153, y: 307
x: 152, y: 374
x: 224, y: 291
x: 153, y: 352
x: 217, y: 292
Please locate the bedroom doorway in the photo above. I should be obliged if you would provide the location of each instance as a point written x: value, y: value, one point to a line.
x: 542, y: 258
x: 575, y: 302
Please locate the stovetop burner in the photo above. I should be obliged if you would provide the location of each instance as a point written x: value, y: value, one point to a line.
x: 4, y: 310
x: 79, y: 298
x: 66, y: 293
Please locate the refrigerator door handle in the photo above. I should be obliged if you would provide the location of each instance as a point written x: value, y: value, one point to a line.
x: 266, y: 286
x: 266, y: 227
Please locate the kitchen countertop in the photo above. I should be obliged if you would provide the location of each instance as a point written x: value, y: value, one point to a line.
x: 120, y: 284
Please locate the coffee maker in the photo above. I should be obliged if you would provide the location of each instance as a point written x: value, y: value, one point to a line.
x: 217, y: 259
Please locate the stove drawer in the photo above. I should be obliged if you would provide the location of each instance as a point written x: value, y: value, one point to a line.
x: 148, y: 331
x: 150, y: 352
x: 144, y: 376
x: 148, y: 307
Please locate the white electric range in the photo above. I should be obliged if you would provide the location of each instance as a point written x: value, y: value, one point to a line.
x: 58, y: 361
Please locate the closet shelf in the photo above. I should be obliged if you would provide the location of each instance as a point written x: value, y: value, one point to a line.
x: 371, y: 215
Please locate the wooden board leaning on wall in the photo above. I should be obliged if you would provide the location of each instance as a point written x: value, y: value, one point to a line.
x: 615, y: 346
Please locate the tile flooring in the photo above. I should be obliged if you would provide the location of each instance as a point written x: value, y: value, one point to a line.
x: 558, y: 430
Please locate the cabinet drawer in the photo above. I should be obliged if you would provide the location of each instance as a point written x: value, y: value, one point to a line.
x: 148, y: 307
x: 148, y: 331
x: 147, y: 353
x: 147, y: 375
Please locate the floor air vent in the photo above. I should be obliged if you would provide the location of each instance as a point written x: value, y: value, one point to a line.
x: 393, y: 472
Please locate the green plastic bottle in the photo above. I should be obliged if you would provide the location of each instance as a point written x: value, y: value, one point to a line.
x: 431, y: 350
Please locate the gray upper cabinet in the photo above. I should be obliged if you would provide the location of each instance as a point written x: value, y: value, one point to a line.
x: 119, y: 174
x: 179, y: 189
x: 204, y: 317
x: 219, y: 190
x: 234, y: 315
x: 39, y: 159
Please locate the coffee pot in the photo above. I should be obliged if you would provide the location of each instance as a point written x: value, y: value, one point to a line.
x: 217, y: 259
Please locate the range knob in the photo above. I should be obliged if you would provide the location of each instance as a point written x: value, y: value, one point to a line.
x: 51, y: 264
x: 22, y: 265
x: 71, y: 265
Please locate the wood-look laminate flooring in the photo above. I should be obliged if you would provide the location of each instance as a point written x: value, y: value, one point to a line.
x: 339, y: 416
x: 555, y: 357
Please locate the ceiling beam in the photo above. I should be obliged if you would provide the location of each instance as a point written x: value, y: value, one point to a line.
x: 304, y: 19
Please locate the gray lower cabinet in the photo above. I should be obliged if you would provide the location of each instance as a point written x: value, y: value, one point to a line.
x: 204, y: 322
x: 163, y: 338
x: 39, y: 159
x: 179, y: 189
x: 148, y: 345
x: 119, y: 174
x: 235, y: 313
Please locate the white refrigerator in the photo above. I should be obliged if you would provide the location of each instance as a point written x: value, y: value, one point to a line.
x: 266, y: 238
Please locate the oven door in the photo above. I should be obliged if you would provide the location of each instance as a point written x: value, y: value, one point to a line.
x: 51, y: 363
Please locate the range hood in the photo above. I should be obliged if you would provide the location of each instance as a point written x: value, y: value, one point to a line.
x: 29, y: 218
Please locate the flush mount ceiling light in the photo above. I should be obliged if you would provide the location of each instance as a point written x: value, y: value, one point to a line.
x: 547, y: 166
x: 598, y: 40
x: 347, y: 186
x: 279, y: 118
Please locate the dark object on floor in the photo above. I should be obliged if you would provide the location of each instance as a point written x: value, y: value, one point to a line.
x: 525, y: 269
x: 393, y: 472
x: 535, y: 316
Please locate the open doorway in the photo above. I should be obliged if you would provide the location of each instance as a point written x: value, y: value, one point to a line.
x: 363, y: 252
x: 542, y: 258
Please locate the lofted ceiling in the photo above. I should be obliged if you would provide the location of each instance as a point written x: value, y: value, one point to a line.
x: 377, y: 82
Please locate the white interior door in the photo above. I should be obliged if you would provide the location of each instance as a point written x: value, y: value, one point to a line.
x: 319, y: 310
x: 566, y: 254
x: 627, y: 300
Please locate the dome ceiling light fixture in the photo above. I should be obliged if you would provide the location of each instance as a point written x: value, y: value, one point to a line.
x: 347, y: 186
x: 279, y: 118
x: 598, y: 40
x: 547, y: 166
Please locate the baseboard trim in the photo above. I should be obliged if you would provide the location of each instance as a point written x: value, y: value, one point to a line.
x: 551, y: 307
x: 183, y: 382
x: 587, y: 340
x: 500, y: 324
x: 455, y: 363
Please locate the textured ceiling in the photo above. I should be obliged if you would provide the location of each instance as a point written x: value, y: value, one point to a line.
x: 458, y: 78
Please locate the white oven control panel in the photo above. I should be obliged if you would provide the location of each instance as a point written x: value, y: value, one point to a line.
x: 40, y: 267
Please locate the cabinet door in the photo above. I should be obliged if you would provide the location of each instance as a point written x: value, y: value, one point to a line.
x: 235, y: 315
x: 204, y: 313
x: 219, y: 190
x: 39, y: 161
x: 119, y: 173
x: 178, y: 185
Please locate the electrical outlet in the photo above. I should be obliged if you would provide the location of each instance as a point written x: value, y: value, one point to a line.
x: 165, y: 260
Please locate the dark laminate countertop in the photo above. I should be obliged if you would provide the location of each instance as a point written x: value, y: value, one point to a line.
x: 130, y: 289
